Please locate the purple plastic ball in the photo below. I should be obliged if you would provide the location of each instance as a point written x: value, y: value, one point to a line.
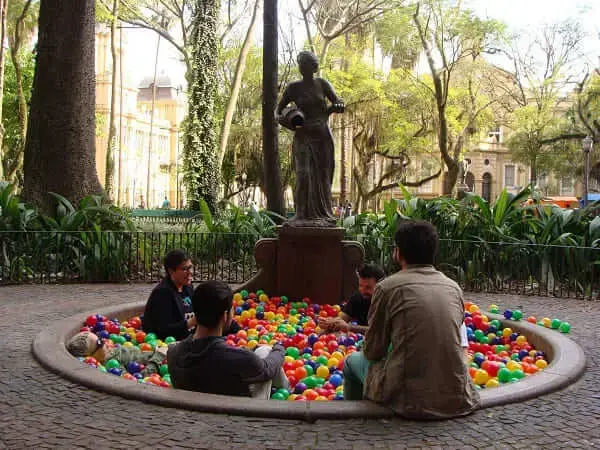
x: 300, y: 388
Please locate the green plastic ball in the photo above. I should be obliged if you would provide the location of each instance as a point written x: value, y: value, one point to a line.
x: 517, y: 374
x: 555, y: 324
x: 293, y: 312
x: 170, y: 340
x: 494, y: 310
x: 504, y: 375
x: 517, y: 315
x: 310, y: 382
x: 112, y: 364
x: 284, y: 299
x: 309, y: 370
x: 565, y: 327
x: 499, y: 348
x: 474, y: 364
x: 478, y: 334
x: 496, y: 323
x: 484, y: 340
x: 283, y: 392
x: 277, y: 396
x: 293, y: 352
x: 102, y: 369
x: 259, y: 292
x: 540, y: 323
x: 244, y: 294
x: 320, y: 381
x: 163, y: 370
x: 113, y: 337
x: 322, y: 360
x: 150, y: 337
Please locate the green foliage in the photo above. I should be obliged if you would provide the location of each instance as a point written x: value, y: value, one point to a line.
x: 201, y: 176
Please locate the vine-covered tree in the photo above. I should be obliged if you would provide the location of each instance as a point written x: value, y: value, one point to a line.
x: 201, y: 174
x: 60, y: 150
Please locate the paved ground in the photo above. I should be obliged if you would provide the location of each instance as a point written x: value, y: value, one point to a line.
x: 40, y: 410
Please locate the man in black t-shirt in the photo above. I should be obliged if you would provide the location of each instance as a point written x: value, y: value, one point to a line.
x: 355, y: 312
x: 203, y: 362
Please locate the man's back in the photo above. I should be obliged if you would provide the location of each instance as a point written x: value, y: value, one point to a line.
x: 210, y: 365
x: 419, y: 311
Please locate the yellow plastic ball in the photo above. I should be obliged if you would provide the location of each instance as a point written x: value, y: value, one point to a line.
x: 269, y: 315
x: 237, y: 297
x: 541, y: 364
x: 521, y: 340
x: 513, y: 365
x: 322, y: 372
x: 337, y: 308
x: 292, y: 397
x: 492, y: 383
x: 337, y: 355
x: 127, y: 344
x: 245, y: 315
x: 288, y: 359
x: 252, y: 312
x: 507, y: 332
x: 333, y: 362
x: 481, y: 377
x: 340, y: 388
x: 252, y: 344
x: 473, y: 309
x: 491, y: 336
x: 547, y: 322
x: 485, y: 318
x: 263, y: 298
x: 493, y: 307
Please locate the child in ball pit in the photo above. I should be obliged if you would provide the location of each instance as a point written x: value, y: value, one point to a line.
x: 88, y: 344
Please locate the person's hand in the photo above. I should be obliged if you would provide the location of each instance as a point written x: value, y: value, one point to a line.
x: 191, y: 322
x: 341, y: 325
x: 325, y: 323
x: 338, y: 106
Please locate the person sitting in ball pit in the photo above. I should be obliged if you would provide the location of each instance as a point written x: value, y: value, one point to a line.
x: 86, y: 344
x: 412, y: 360
x: 354, y: 315
x: 203, y: 362
x: 169, y: 311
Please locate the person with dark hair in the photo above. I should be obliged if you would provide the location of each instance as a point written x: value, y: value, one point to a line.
x: 169, y: 309
x: 412, y: 360
x: 203, y: 362
x: 354, y: 314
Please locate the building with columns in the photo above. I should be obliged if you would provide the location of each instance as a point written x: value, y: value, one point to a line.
x: 147, y: 149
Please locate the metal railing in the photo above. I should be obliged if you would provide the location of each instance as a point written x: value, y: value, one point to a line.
x: 511, y: 268
x: 110, y: 256
x: 113, y: 256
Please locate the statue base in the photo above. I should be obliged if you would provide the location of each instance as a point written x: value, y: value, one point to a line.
x: 313, y: 262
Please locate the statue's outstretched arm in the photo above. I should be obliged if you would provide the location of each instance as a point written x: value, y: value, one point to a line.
x: 337, y: 104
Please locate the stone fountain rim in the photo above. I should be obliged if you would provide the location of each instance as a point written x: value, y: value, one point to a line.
x: 567, y: 365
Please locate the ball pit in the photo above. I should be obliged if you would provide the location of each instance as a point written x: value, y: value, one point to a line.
x: 314, y: 361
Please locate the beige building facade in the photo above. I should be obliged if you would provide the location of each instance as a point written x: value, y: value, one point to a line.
x: 137, y: 159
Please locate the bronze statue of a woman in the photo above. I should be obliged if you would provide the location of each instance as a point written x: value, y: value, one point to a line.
x: 313, y: 142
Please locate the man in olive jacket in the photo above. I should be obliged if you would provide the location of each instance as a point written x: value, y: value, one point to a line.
x: 412, y: 360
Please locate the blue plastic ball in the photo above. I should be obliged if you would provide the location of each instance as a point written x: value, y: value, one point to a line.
x: 307, y: 350
x: 260, y: 315
x: 115, y: 371
x: 312, y: 339
x: 238, y: 310
x: 133, y: 367
x: 492, y: 329
x: 104, y: 334
x: 246, y: 306
x: 316, y: 308
x: 138, y: 375
x: 523, y: 354
x: 336, y: 380
x: 508, y: 314
x: 514, y: 336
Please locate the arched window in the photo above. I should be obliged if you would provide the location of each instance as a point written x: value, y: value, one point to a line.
x: 486, y: 186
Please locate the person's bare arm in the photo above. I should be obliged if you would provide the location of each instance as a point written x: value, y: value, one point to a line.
x: 286, y: 99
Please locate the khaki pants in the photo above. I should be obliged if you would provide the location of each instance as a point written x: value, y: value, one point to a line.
x: 263, y: 390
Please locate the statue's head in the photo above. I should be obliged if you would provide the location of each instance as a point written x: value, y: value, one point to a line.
x: 307, y: 62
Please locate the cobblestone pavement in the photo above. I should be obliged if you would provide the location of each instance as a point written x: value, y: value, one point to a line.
x: 40, y: 410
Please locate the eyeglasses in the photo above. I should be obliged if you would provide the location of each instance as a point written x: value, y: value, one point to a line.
x: 189, y: 268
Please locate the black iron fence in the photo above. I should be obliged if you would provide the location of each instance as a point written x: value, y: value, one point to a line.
x: 106, y: 256
x: 513, y: 268
x: 111, y: 256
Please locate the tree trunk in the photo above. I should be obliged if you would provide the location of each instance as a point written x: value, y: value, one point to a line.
x: 112, y: 126
x: 60, y: 152
x: 272, y: 167
x: 533, y: 177
x: 237, y: 83
x: 201, y: 176
x: 3, y: 8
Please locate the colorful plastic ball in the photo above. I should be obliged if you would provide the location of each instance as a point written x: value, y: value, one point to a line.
x: 564, y: 327
x: 504, y: 375
x: 336, y: 380
x: 508, y: 314
x: 532, y: 320
x: 322, y: 372
x: 555, y: 324
x: 517, y: 374
x: 278, y: 396
x: 112, y: 364
x: 547, y: 322
x: 492, y: 383
x: 115, y: 371
x: 244, y: 294
x: 170, y: 340
x: 133, y: 367
x: 493, y: 309
x: 163, y: 369
x: 541, y: 364
x: 517, y: 315
x: 300, y: 388
x: 481, y: 377
x: 293, y: 352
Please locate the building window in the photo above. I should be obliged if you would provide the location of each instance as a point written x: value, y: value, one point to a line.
x: 494, y: 135
x: 566, y: 186
x: 509, y: 175
x: 426, y: 171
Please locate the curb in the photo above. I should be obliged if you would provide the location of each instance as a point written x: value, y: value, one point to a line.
x: 567, y: 365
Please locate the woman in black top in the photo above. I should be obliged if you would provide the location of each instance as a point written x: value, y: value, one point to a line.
x: 169, y: 310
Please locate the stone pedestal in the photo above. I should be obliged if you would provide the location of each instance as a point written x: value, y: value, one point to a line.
x: 308, y: 262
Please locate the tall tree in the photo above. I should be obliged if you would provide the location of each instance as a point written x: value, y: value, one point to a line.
x: 112, y: 125
x: 540, y: 80
x: 60, y: 150
x: 201, y: 176
x: 3, y: 14
x: 236, y: 85
x: 452, y: 37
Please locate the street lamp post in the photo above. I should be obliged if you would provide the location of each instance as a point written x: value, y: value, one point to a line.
x: 588, y: 143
